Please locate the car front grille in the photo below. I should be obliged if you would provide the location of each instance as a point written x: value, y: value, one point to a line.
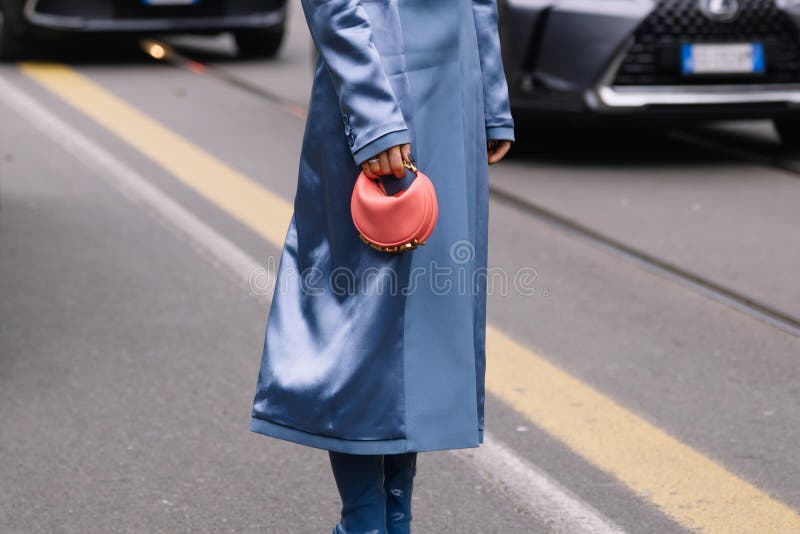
x: 654, y: 58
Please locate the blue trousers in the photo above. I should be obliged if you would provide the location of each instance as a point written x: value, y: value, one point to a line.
x: 375, y: 492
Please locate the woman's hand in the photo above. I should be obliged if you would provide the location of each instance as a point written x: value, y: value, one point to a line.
x: 497, y: 149
x: 389, y: 161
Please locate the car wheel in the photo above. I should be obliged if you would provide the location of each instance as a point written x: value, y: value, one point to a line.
x: 789, y: 131
x: 259, y: 43
x: 11, y: 48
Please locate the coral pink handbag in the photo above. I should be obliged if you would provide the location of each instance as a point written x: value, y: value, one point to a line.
x: 394, y: 223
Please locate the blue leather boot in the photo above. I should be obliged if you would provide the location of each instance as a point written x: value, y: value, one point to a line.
x: 399, y: 470
x: 360, y: 480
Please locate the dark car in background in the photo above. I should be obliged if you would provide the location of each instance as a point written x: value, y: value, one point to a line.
x: 676, y: 60
x: 257, y: 25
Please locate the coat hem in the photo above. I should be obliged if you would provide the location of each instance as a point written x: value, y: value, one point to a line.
x: 384, y: 446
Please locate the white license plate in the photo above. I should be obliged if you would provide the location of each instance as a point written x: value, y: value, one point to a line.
x: 735, y: 58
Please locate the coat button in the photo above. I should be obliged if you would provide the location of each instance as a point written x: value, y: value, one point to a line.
x: 347, y: 130
x: 352, y: 139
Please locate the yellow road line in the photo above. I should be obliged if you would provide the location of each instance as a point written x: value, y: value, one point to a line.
x: 259, y: 209
x: 695, y: 491
x: 691, y: 488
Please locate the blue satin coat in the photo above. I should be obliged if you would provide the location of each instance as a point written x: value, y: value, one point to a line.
x: 366, y: 352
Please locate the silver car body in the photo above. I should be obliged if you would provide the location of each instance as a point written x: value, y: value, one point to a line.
x: 621, y: 57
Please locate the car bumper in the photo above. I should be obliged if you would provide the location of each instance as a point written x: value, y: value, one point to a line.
x: 105, y: 17
x: 632, y: 97
x: 568, y: 56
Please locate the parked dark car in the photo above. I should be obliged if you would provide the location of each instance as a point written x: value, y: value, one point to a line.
x: 258, y: 25
x: 677, y: 60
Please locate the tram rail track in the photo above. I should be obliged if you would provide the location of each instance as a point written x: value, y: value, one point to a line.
x: 684, y: 277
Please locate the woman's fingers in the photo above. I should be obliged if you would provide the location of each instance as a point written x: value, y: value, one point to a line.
x: 406, y: 151
x: 501, y: 148
x: 388, y: 162
x: 367, y: 171
x: 375, y: 166
x: 396, y: 161
x: 386, y: 168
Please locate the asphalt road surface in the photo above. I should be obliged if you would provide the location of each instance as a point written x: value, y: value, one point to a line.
x: 644, y: 380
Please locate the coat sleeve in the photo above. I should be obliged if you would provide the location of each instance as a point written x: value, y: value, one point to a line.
x: 497, y: 110
x: 371, y: 116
